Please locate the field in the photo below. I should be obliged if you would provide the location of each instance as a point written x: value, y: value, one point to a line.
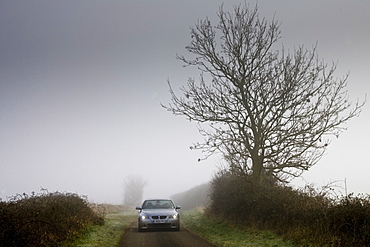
x: 221, y: 233
x: 107, y: 235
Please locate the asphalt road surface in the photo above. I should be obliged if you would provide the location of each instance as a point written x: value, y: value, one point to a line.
x: 162, y: 238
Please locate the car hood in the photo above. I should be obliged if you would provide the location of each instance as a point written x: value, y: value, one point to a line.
x: 150, y: 212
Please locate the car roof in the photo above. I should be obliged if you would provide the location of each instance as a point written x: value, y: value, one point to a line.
x: 158, y: 199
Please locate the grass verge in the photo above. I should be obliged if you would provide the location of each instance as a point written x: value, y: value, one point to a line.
x: 107, y: 235
x: 223, y: 234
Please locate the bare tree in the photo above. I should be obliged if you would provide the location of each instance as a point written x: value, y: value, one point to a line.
x: 133, y: 190
x: 268, y: 111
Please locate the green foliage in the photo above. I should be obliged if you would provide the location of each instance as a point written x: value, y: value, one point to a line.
x: 44, y: 219
x: 305, y: 216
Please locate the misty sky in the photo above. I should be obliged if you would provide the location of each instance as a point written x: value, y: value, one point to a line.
x: 81, y: 84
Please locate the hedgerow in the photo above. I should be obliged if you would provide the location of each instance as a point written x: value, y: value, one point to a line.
x: 307, y: 216
x: 44, y: 219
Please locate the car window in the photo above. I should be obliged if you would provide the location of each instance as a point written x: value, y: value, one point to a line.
x: 158, y: 204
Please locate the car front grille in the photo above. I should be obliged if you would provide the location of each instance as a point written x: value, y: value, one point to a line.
x: 162, y: 217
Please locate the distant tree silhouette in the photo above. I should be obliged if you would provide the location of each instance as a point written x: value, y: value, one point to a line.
x: 268, y: 111
x: 133, y: 190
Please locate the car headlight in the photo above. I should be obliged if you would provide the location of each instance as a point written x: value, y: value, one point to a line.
x: 173, y: 216
x: 144, y: 217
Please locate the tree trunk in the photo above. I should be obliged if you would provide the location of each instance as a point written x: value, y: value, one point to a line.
x: 257, y: 169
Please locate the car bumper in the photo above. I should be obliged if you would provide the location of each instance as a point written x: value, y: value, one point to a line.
x: 155, y: 224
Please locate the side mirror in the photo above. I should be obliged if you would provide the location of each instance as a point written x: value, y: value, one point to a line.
x: 178, y: 207
x: 138, y: 208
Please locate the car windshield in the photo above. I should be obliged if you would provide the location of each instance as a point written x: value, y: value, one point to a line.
x: 158, y: 204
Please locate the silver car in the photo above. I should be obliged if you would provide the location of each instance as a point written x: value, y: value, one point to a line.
x: 158, y: 213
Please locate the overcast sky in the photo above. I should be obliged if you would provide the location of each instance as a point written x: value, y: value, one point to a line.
x: 81, y: 84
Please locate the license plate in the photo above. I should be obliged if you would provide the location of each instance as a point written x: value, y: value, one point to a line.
x: 158, y: 221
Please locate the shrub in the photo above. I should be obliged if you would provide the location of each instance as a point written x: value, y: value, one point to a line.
x: 350, y: 221
x: 44, y: 219
x: 306, y: 215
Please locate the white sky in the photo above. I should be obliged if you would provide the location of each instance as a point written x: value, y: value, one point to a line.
x: 81, y: 84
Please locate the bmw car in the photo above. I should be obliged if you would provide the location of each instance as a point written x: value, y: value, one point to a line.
x: 158, y: 214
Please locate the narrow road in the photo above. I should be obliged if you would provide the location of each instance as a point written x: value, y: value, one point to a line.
x: 162, y: 238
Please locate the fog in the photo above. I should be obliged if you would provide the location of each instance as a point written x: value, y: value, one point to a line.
x: 81, y: 84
